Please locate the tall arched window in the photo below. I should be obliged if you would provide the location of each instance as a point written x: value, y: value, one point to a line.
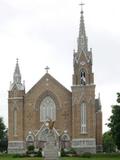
x: 83, y: 111
x: 47, y: 109
x: 15, y: 122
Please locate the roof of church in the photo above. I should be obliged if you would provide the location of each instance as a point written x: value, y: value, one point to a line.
x: 48, y: 76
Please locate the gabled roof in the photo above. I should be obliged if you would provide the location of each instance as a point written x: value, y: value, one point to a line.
x: 51, y: 78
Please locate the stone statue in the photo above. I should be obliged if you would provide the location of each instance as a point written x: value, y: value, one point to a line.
x: 50, y: 151
x: 51, y: 124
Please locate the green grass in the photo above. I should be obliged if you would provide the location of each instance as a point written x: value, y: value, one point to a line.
x: 8, y: 157
x: 12, y: 158
x: 78, y: 158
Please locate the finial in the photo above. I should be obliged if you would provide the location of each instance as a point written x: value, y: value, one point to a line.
x: 99, y: 95
x: 81, y: 4
x: 47, y: 68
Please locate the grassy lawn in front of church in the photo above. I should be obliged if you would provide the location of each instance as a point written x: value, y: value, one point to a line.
x: 61, y: 158
x: 11, y: 158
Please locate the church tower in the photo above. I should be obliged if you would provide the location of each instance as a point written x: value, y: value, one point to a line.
x: 83, y: 96
x: 15, y: 113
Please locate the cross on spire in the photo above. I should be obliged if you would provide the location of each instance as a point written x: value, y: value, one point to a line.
x: 81, y: 4
x: 82, y: 39
x: 47, y: 69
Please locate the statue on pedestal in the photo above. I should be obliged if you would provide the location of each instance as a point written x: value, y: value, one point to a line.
x: 51, y: 150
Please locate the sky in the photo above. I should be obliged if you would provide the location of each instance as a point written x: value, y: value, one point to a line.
x: 44, y: 33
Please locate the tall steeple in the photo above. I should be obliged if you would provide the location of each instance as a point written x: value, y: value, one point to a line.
x: 17, y: 75
x: 82, y: 39
x: 82, y: 57
x: 17, y: 79
x: 83, y: 96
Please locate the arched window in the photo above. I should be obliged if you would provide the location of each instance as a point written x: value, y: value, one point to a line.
x: 65, y: 141
x: 30, y: 140
x: 15, y: 122
x: 47, y: 109
x: 83, y: 112
x: 82, y: 77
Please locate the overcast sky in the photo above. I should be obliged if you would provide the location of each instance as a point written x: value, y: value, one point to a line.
x: 44, y: 32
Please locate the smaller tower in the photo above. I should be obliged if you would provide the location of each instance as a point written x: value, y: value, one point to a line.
x: 15, y: 113
x: 17, y: 79
x: 98, y: 124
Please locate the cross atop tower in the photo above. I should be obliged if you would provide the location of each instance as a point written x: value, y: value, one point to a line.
x: 81, y: 4
x: 47, y: 69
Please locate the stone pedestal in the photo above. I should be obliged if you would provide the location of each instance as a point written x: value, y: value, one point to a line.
x: 51, y: 150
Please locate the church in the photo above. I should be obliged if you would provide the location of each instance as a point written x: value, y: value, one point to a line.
x: 77, y: 113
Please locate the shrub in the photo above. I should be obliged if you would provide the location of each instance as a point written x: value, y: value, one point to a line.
x: 63, y: 153
x: 39, y: 153
x: 72, y: 151
x: 30, y: 149
x: 68, y: 152
x: 106, y: 155
x: 86, y: 155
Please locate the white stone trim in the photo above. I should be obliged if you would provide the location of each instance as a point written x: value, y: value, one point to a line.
x: 84, y: 143
x: 16, y: 98
x: 27, y: 138
x: 15, y: 145
x: 16, y: 141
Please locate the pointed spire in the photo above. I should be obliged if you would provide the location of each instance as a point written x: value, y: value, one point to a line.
x: 82, y: 39
x: 17, y: 78
x: 17, y: 75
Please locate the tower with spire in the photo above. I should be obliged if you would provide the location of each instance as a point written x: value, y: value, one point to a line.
x: 15, y: 112
x: 83, y: 96
x: 17, y: 79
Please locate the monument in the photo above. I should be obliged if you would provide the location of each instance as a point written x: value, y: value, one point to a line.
x: 51, y: 149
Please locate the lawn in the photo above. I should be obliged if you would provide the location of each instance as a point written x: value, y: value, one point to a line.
x: 108, y: 158
x: 65, y: 158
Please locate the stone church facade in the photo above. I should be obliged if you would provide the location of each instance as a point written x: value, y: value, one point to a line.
x: 77, y: 114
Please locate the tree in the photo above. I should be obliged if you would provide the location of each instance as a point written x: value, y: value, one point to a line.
x: 108, y: 143
x: 2, y: 129
x: 3, y: 136
x: 114, y: 122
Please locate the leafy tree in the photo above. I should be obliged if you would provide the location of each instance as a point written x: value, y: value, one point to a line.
x: 114, y: 122
x: 108, y: 142
x: 3, y: 136
x: 2, y: 129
